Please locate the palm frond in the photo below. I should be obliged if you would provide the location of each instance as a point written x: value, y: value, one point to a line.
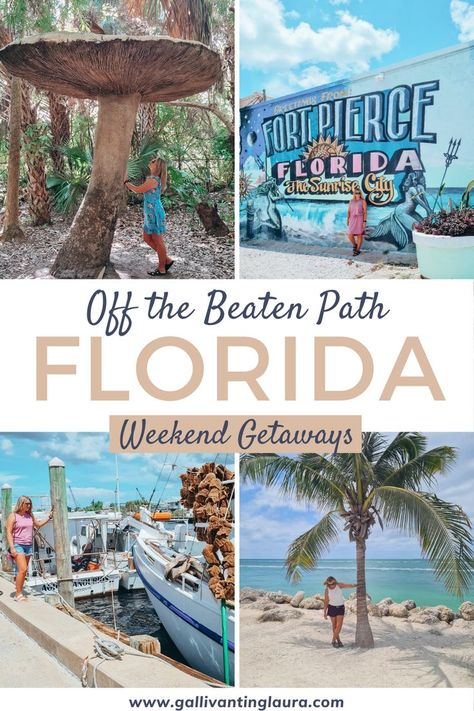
x: 307, y: 549
x: 420, y: 469
x: 312, y: 479
x: 137, y: 165
x: 443, y: 530
x: 403, y: 447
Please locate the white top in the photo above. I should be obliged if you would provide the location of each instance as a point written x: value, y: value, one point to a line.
x: 336, y: 598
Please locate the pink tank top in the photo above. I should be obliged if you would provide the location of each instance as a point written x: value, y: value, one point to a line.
x: 23, y: 530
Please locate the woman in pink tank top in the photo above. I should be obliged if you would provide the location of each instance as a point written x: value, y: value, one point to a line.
x: 20, y: 526
x: 356, y: 220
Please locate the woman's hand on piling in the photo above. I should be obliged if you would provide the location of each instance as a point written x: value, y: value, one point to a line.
x: 13, y: 553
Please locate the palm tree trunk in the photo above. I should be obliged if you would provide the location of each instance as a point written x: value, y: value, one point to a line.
x: 363, y: 637
x: 59, y: 122
x: 11, y: 226
x: 38, y: 196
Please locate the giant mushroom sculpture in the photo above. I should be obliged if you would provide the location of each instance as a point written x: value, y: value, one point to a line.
x: 120, y: 72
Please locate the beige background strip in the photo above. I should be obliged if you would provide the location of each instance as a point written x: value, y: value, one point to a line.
x: 270, y: 433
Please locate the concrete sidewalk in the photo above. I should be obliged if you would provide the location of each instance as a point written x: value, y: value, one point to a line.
x: 25, y: 664
x: 69, y: 641
x: 287, y: 260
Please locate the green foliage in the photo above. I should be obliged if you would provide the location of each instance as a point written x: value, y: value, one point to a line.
x: 466, y: 194
x: 137, y: 165
x: 69, y: 188
x: 221, y: 145
x: 183, y: 189
x: 94, y: 506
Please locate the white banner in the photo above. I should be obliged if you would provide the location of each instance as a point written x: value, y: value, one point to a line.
x: 400, y: 355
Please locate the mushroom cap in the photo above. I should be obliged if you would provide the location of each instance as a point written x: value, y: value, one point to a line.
x: 88, y: 66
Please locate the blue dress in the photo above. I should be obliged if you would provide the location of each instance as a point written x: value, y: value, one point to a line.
x: 154, y: 214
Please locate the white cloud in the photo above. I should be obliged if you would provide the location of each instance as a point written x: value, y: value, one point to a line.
x: 462, y: 14
x: 339, y: 2
x: 293, y: 14
x: 268, y: 44
x: 73, y: 447
x: 87, y: 493
x: 293, y: 81
x: 8, y: 478
x: 6, y: 446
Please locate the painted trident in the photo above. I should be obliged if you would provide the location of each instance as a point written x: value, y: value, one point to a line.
x: 450, y: 155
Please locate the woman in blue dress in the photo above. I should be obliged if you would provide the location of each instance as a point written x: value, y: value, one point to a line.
x: 154, y: 226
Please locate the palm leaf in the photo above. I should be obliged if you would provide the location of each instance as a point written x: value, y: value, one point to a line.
x: 137, y: 165
x: 442, y: 528
x: 312, y: 479
x: 308, y: 548
x: 421, y: 469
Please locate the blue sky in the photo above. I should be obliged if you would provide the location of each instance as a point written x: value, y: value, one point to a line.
x: 288, y: 45
x: 268, y: 523
x: 90, y: 467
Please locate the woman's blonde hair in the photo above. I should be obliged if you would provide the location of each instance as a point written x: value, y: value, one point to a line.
x: 22, y: 500
x: 161, y: 172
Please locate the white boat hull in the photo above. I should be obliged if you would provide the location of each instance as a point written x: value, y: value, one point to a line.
x: 192, y: 620
x: 87, y: 583
x: 130, y: 580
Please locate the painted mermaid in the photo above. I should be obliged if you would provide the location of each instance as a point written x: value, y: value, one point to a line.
x: 397, y: 227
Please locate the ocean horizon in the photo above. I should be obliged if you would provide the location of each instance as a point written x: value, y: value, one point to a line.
x: 400, y: 579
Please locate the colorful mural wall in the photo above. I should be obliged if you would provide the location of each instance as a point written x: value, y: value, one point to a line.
x: 404, y: 135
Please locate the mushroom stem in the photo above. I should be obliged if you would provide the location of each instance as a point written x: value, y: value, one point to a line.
x: 87, y: 248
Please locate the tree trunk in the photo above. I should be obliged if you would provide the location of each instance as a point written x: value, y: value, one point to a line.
x: 211, y: 221
x: 60, y: 128
x: 38, y: 197
x: 87, y: 249
x: 11, y: 225
x: 363, y: 637
x: 148, y: 120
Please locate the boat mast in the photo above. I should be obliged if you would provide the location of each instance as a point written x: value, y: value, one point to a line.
x: 117, y: 486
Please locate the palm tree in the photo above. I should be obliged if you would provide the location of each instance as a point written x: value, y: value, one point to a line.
x: 380, y: 484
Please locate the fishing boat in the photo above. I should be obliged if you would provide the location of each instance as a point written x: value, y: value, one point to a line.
x: 189, y: 612
x: 93, y: 572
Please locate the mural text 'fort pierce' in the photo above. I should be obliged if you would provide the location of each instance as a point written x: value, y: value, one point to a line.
x: 400, y: 134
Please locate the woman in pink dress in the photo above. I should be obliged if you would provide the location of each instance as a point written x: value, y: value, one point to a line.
x: 20, y: 525
x: 356, y: 220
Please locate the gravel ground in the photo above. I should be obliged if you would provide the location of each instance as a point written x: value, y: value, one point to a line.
x: 196, y: 254
x: 287, y: 260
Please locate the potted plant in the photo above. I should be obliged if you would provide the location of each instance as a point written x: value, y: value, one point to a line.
x: 445, y: 242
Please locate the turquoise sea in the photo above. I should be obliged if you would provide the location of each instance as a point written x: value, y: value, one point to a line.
x: 398, y: 579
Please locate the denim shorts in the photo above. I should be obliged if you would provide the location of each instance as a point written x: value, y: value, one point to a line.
x: 23, y: 549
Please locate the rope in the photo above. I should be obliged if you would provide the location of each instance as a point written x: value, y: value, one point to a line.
x: 107, y: 650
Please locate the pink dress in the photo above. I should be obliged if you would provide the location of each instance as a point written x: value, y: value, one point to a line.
x: 356, y: 217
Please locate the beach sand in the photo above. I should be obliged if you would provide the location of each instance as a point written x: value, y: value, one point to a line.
x: 289, y: 260
x: 298, y: 653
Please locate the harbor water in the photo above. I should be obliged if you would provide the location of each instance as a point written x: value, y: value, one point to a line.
x: 398, y: 579
x: 133, y: 615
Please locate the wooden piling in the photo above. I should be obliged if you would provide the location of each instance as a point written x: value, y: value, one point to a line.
x: 6, y: 511
x: 57, y: 482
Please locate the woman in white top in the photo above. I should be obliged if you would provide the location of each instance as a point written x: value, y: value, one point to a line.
x: 334, y: 606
